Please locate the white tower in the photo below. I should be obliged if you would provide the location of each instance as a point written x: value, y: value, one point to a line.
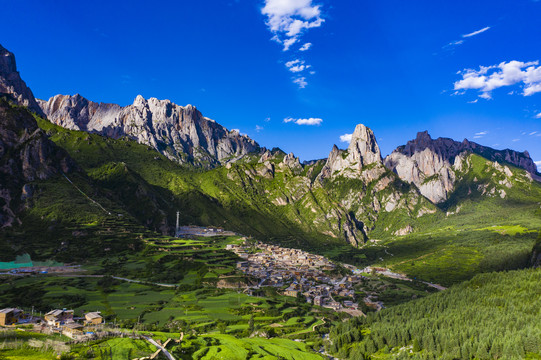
x: 177, y: 228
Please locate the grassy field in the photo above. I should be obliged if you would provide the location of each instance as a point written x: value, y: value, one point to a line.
x: 228, y: 347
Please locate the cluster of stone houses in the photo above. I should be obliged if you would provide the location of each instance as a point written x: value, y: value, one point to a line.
x: 296, y: 272
x: 60, y: 321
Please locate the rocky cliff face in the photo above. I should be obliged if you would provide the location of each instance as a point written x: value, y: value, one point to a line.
x: 430, y: 163
x: 362, y: 159
x: 12, y: 84
x: 26, y: 155
x: 181, y: 133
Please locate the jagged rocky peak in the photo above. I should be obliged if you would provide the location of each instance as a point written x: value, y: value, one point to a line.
x: 363, y: 150
x: 430, y: 163
x: 364, y: 147
x: 181, y: 133
x: 12, y: 84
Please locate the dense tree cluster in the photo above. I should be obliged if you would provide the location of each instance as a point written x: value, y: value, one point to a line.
x: 492, y: 316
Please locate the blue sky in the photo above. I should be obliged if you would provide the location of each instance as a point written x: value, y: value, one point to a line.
x: 459, y: 69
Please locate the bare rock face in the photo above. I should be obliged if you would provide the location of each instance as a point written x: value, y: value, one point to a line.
x: 292, y: 162
x: 12, y: 84
x: 430, y: 164
x: 362, y: 159
x: 26, y: 155
x: 181, y: 133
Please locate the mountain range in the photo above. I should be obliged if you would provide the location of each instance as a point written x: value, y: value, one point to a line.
x: 354, y: 194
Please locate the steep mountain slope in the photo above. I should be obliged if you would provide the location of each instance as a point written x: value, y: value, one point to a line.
x: 12, y: 84
x: 181, y: 133
x: 26, y: 155
x: 430, y: 164
x: 269, y: 196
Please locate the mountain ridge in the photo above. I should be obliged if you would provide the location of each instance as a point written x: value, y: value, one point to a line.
x: 429, y: 163
x: 181, y: 133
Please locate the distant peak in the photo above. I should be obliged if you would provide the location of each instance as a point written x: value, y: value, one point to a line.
x: 423, y: 135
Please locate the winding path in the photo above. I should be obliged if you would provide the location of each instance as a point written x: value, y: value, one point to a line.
x: 159, y: 347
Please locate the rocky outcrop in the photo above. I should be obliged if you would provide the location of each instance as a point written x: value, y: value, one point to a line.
x: 181, y: 133
x: 430, y: 164
x: 362, y: 159
x: 372, y: 189
x: 26, y: 155
x: 12, y: 84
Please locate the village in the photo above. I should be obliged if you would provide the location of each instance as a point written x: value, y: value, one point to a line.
x: 57, y: 321
x: 299, y: 273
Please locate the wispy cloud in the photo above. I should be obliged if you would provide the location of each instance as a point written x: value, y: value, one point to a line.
x: 532, y: 133
x: 476, y: 32
x: 489, y: 78
x: 480, y: 134
x: 473, y: 101
x: 289, y: 19
x: 305, y: 47
x: 453, y: 44
x: 258, y: 128
x: 346, y: 138
x: 515, y: 140
x: 267, y: 119
x: 301, y: 81
x: 309, y: 121
x: 538, y: 116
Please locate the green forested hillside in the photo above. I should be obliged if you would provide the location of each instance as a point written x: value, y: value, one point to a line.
x: 492, y: 316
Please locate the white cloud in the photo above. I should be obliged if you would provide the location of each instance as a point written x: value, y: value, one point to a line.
x: 473, y: 101
x: 476, y: 32
x: 538, y: 116
x: 258, y: 128
x: 288, y: 42
x: 489, y: 78
x: 481, y: 133
x: 477, y: 137
x: 292, y: 62
x: 346, y: 138
x: 297, y: 65
x: 267, y: 119
x: 310, y: 121
x: 305, y: 47
x: 514, y: 140
x: 532, y: 133
x: 288, y: 19
x: 301, y: 81
x: 538, y: 164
